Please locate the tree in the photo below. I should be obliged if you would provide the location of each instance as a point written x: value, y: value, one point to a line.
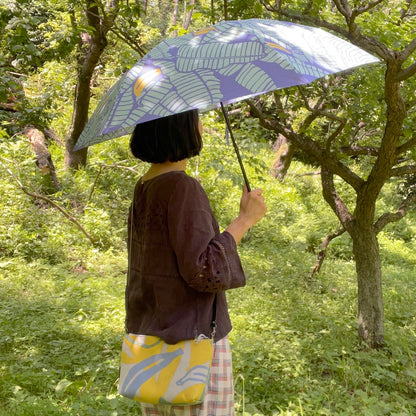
x: 91, y: 45
x: 358, y: 128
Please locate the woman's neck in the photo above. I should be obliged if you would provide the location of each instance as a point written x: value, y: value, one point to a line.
x: 157, y: 169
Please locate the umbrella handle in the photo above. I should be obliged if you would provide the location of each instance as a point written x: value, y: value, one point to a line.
x: 237, y: 151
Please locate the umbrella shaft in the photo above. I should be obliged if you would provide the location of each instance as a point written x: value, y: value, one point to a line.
x: 236, y: 149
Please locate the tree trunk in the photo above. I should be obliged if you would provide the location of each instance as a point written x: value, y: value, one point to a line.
x: 370, y: 294
x: 188, y: 14
x: 91, y: 48
x: 284, y: 154
x: 175, y: 16
x: 225, y: 9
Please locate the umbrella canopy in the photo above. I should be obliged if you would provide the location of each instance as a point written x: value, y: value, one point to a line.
x: 220, y: 64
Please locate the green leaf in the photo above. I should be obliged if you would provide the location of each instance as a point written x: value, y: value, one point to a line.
x: 62, y: 386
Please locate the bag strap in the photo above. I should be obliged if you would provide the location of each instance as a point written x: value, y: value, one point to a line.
x: 214, y: 318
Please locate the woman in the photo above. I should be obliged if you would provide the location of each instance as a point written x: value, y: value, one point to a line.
x: 179, y: 260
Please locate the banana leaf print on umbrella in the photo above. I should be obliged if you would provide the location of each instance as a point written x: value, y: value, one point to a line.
x: 218, y: 65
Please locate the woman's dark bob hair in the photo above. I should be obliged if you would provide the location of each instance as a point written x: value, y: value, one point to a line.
x: 170, y: 138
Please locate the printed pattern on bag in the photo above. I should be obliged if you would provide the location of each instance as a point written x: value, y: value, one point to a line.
x: 154, y: 372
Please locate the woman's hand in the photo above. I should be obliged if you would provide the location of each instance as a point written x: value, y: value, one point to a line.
x: 252, y: 210
x: 252, y: 205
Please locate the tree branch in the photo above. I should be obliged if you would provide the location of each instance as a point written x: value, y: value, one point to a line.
x: 284, y: 115
x: 404, y: 12
x: 318, y: 111
x: 129, y: 40
x: 114, y: 166
x: 62, y: 210
x: 309, y: 146
x: 390, y: 217
x: 52, y: 135
x: 8, y: 107
x: 271, y: 8
x: 322, y: 253
x: 350, y: 15
x: 110, y: 13
x: 403, y: 170
x: 334, y: 200
x: 367, y: 43
x: 344, y: 8
x: 406, y: 146
x: 336, y: 133
x: 407, y: 51
x: 49, y: 201
x: 367, y: 7
x: 355, y: 150
x: 396, y: 112
x: 406, y: 73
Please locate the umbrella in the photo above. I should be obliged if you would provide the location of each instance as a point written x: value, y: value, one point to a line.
x: 221, y: 64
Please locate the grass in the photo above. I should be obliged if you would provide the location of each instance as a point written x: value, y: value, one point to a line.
x: 294, y: 341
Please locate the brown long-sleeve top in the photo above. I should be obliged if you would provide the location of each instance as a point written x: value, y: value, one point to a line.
x: 179, y: 260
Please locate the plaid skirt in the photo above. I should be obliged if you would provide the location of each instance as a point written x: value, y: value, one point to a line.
x: 219, y: 398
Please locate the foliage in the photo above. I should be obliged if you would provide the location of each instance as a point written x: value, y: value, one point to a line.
x: 34, y: 34
x: 294, y: 344
x: 61, y: 297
